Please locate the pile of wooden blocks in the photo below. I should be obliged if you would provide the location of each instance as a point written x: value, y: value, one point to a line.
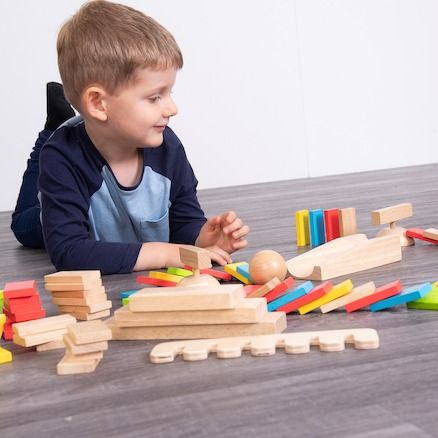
x: 79, y: 293
x: 85, y: 343
x: 21, y: 303
x: 45, y: 333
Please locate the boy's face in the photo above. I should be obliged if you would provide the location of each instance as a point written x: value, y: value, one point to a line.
x: 139, y: 112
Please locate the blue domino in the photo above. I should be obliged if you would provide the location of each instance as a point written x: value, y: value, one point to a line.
x: 244, y: 270
x: 410, y: 294
x: 293, y: 295
x: 127, y: 293
x: 316, y: 227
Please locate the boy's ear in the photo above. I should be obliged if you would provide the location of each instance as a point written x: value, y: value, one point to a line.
x: 94, y: 103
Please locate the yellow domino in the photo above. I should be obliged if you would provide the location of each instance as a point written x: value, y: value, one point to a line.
x: 5, y: 355
x: 165, y: 276
x: 231, y: 269
x: 2, y: 322
x: 339, y: 290
x: 302, y: 227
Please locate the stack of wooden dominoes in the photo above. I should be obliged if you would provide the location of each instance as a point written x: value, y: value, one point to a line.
x: 79, y: 293
x: 85, y: 343
x: 45, y: 333
x: 21, y: 303
x: 188, y: 312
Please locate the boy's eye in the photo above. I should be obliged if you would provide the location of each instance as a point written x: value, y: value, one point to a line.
x: 153, y: 98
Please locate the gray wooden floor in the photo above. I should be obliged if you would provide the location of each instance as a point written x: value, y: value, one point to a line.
x: 389, y: 392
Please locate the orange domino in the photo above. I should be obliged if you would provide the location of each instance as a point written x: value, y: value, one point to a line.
x: 386, y: 291
x: 280, y: 289
x: 313, y: 295
x: 155, y: 281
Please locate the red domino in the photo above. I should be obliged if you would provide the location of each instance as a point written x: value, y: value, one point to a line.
x: 386, y: 291
x: 279, y: 289
x: 331, y: 220
x: 417, y: 233
x: 250, y: 288
x: 20, y: 289
x: 155, y: 281
x: 7, y: 331
x: 25, y: 304
x: 220, y: 275
x: 21, y: 316
x: 313, y: 295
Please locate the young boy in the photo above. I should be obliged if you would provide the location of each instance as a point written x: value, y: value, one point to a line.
x: 115, y: 184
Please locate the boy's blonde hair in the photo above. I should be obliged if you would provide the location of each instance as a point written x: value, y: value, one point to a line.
x: 105, y: 43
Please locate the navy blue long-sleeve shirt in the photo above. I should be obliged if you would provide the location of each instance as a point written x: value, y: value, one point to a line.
x: 90, y: 221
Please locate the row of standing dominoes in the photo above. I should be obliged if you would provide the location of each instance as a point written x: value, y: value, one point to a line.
x: 315, y: 227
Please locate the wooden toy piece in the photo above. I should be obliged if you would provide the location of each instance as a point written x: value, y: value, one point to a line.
x: 25, y: 315
x: 293, y: 295
x: 431, y: 233
x: 331, y: 221
x: 57, y: 344
x: 220, y: 275
x: 155, y: 281
x: 231, y: 268
x: 280, y: 289
x: 71, y: 364
x: 251, y: 288
x: 78, y: 277
x: 179, y: 271
x: 87, y: 301
x: 345, y: 256
x: 390, y: 215
x: 261, y: 291
x: 243, y: 270
x: 271, y: 323
x: 91, y: 308
x: 410, y: 294
x: 88, y: 332
x: 128, y: 293
x: 20, y: 289
x: 293, y: 343
x: 312, y: 295
x: 197, y: 258
x: 316, y: 227
x: 417, y: 233
x: 186, y: 298
x: 246, y: 311
x: 428, y: 302
x: 93, y: 286
x: 93, y: 347
x: 386, y: 291
x: 265, y: 265
x: 302, y: 227
x: 38, y: 338
x: 85, y: 316
x: 79, y: 293
x: 357, y: 293
x: 43, y: 325
x: 347, y: 221
x: 165, y: 276
x: 5, y: 355
x: 337, y: 291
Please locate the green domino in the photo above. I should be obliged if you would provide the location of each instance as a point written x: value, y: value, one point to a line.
x: 179, y: 271
x: 429, y: 302
x: 125, y: 301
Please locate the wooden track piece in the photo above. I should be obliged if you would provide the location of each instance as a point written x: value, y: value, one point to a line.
x: 331, y: 221
x: 154, y: 281
x: 431, y: 233
x: 249, y: 310
x: 345, y: 256
x: 80, y: 277
x: 428, y: 302
x: 186, y: 298
x: 391, y: 214
x: 302, y: 227
x: 293, y: 295
x: 43, y: 325
x: 271, y: 323
x: 88, y: 332
x: 337, y: 291
x: 261, y: 291
x: 293, y: 343
x: 357, y: 293
x: 279, y: 290
x: 417, y: 233
x: 410, y: 294
x: 312, y: 295
x: 386, y: 291
x: 347, y: 221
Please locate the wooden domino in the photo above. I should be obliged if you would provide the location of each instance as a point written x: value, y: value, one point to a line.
x: 231, y: 269
x: 302, y: 227
x: 20, y: 289
x: 71, y: 364
x: 261, y: 291
x: 76, y: 277
x: 316, y: 227
x: 293, y: 295
x: 292, y: 343
x: 57, y: 344
x: 43, y: 325
x: 155, y: 281
x: 89, y: 331
x: 220, y: 275
x: 331, y: 221
x: 428, y: 302
x: 197, y: 258
x: 181, y: 272
x: 243, y: 269
x: 280, y: 289
x: 347, y: 221
x: 165, y: 276
x: 93, y: 285
x: 357, y: 293
x: 417, y: 233
x: 431, y: 233
x: 92, y: 347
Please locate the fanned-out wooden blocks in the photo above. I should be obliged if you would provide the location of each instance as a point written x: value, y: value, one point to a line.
x: 390, y: 215
x: 79, y: 293
x: 418, y: 233
x: 5, y: 355
x: 428, y: 302
x: 345, y: 256
x: 42, y: 333
x: 293, y: 295
x: 85, y: 343
x: 292, y: 343
x: 231, y: 269
x: 357, y: 293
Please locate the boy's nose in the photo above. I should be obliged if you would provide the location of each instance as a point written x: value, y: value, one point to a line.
x: 170, y: 109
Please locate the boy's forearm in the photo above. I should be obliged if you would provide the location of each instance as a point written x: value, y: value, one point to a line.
x: 157, y: 255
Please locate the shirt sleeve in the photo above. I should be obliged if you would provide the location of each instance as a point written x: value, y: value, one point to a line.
x: 65, y: 200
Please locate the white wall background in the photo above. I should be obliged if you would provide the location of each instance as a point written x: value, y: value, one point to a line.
x: 270, y: 90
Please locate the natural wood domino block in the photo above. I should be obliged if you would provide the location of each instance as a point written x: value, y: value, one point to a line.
x: 71, y: 364
x: 272, y: 323
x: 77, y: 350
x: 92, y: 308
x: 197, y: 258
x: 88, y: 332
x: 431, y: 233
x: 391, y: 214
x: 249, y: 310
x: 99, y: 290
x: 40, y: 338
x: 65, y: 287
x: 80, y: 277
x: 357, y: 293
x: 87, y: 301
x: 261, y: 291
x: 347, y: 221
x: 43, y: 325
x: 186, y: 298
x: 85, y: 316
x: 292, y: 343
x: 57, y: 344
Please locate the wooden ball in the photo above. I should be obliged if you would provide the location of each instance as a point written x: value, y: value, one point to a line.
x: 265, y: 265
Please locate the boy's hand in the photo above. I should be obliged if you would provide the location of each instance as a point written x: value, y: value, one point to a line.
x: 222, y: 235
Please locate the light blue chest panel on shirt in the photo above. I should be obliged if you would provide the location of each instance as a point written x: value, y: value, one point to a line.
x: 138, y: 215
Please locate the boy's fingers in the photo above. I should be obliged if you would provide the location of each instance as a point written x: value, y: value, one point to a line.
x: 240, y: 244
x: 242, y: 232
x: 233, y: 226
